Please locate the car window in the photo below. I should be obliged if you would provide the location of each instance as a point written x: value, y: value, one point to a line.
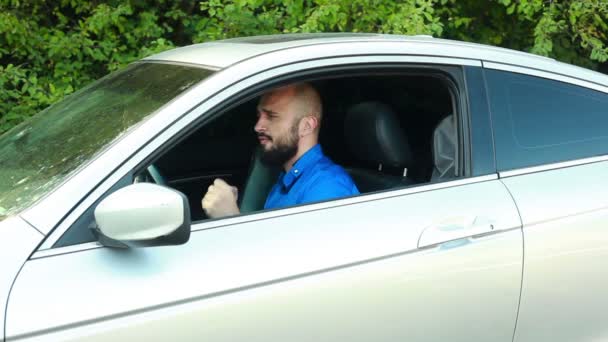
x: 224, y: 144
x: 538, y: 121
x: 40, y: 153
x: 422, y: 106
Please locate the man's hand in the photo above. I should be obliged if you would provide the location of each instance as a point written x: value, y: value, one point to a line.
x: 220, y: 200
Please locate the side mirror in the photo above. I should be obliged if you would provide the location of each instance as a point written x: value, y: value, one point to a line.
x: 142, y: 215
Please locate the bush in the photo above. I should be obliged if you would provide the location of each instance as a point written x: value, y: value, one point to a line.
x: 49, y: 50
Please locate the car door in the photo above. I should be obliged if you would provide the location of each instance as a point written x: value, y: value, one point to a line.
x: 551, y: 147
x: 436, y: 262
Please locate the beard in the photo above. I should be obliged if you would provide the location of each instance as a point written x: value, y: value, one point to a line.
x: 282, y: 149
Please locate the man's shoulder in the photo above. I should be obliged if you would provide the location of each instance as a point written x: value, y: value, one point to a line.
x: 329, y: 175
x: 326, y: 167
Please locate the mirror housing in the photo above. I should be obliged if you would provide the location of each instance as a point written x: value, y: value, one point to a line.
x: 143, y: 215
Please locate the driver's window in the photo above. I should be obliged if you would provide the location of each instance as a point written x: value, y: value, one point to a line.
x: 418, y: 108
x: 419, y: 146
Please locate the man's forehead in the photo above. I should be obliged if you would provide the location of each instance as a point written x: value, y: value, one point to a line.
x: 276, y: 98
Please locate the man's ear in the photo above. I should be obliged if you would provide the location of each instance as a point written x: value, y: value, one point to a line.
x: 308, y: 125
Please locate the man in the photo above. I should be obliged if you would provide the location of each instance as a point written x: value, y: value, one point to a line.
x: 288, y: 125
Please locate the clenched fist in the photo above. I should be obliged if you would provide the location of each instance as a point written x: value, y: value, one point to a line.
x: 220, y: 200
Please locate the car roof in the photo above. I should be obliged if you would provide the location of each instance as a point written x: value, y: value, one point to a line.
x: 224, y: 53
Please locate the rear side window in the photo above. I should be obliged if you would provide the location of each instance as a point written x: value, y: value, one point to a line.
x: 538, y: 121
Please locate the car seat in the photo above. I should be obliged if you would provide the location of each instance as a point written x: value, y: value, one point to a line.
x: 444, y: 150
x: 258, y: 184
x: 375, y: 138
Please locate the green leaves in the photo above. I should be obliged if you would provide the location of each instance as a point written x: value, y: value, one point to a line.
x: 573, y: 31
x: 234, y: 18
x: 66, y: 44
x: 50, y: 48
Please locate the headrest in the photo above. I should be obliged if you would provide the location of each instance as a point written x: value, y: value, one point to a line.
x: 444, y: 149
x: 374, y: 135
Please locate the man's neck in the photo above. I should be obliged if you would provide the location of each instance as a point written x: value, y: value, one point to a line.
x: 302, y: 149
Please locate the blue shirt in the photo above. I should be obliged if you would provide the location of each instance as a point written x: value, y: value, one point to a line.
x: 314, y: 177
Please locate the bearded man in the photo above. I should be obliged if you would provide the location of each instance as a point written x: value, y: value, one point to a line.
x: 288, y: 125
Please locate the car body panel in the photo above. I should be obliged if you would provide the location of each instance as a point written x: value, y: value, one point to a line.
x: 565, y: 217
x: 18, y: 240
x: 304, y: 257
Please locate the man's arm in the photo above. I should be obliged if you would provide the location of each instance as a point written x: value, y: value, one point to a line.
x: 220, y: 200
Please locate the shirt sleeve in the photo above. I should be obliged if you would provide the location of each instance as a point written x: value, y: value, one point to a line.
x: 326, y: 188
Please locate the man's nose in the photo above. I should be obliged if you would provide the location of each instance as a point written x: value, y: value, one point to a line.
x: 259, y: 125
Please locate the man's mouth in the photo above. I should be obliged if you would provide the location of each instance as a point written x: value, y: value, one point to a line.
x: 263, y: 139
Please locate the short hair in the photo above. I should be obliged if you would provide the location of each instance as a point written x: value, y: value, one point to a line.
x: 305, y: 94
x: 310, y: 97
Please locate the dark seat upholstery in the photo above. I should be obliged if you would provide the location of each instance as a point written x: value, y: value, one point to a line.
x: 375, y: 138
x: 261, y: 179
x: 445, y: 150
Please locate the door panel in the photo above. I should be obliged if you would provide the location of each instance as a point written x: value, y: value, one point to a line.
x: 565, y: 217
x: 347, y: 268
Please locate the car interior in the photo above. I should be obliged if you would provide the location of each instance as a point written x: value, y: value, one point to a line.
x: 388, y: 130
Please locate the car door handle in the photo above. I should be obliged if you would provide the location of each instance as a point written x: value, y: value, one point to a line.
x: 454, y: 229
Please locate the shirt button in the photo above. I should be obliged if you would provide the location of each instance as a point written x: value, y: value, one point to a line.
x: 295, y: 171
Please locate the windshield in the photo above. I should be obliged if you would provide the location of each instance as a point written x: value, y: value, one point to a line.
x: 40, y: 153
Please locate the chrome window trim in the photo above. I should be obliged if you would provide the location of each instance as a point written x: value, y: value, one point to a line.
x: 229, y: 91
x: 304, y: 208
x: 552, y: 166
x: 545, y: 74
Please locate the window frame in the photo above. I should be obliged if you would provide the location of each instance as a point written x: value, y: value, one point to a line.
x: 223, y: 101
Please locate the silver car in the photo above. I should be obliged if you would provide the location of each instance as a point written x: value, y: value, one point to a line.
x: 483, y: 213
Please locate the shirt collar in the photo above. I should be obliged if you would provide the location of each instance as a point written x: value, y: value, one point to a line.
x: 306, y: 161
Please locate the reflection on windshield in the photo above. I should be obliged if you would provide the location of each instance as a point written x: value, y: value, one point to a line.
x: 40, y: 153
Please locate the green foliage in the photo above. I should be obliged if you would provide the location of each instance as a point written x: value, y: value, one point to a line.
x: 573, y: 31
x: 48, y: 49
x: 234, y: 18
